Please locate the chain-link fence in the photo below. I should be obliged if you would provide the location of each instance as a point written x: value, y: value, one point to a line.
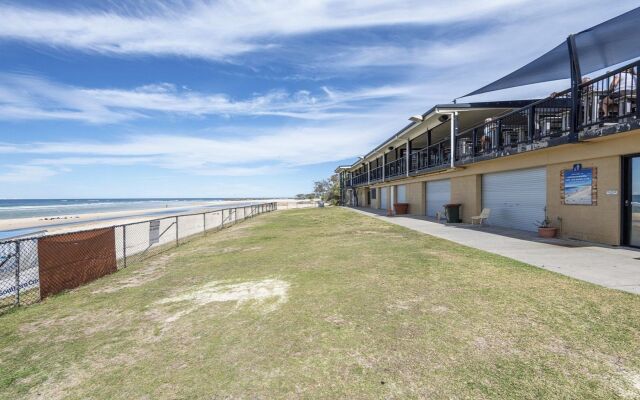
x: 34, y: 268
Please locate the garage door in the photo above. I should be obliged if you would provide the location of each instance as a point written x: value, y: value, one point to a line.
x: 516, y: 198
x: 383, y: 198
x: 401, y: 192
x: 438, y: 194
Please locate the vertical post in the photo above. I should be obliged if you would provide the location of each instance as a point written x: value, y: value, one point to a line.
x: 384, y: 165
x: 369, y: 173
x: 454, y: 128
x: 499, y: 131
x: 204, y: 222
x: 406, y: 156
x: 17, y: 258
x: 177, y: 237
x: 637, y: 93
x: 576, y: 77
x: 124, y: 244
x: 474, y: 141
x: 531, y: 124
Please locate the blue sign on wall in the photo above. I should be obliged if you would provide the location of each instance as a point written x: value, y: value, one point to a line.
x: 578, y: 186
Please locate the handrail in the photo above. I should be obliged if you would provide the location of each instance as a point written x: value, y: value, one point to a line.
x: 395, y: 167
x: 552, y: 116
x: 427, y: 158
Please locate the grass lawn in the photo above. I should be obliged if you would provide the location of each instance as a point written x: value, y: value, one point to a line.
x: 325, y: 303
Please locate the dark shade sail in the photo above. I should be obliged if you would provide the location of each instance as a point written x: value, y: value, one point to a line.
x: 609, y: 43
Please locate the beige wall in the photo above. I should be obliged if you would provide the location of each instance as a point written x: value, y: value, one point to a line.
x: 415, y: 198
x: 362, y: 196
x: 375, y: 203
x: 600, y: 223
x: 466, y: 190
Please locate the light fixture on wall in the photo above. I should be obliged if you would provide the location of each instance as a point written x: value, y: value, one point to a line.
x: 443, y: 118
x: 390, y: 148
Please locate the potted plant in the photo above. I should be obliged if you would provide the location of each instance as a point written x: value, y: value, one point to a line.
x: 545, y: 230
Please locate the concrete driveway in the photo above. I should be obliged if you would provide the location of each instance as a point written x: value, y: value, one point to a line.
x: 612, y: 267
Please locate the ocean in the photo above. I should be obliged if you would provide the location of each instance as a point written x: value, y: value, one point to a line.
x: 27, y: 208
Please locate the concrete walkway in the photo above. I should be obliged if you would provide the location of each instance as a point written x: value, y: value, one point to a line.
x: 612, y: 267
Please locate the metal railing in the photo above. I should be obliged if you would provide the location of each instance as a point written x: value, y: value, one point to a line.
x: 33, y: 268
x: 559, y: 118
x: 609, y: 98
x: 395, y: 168
x: 361, y: 179
x: 433, y: 156
x: 376, y: 174
x: 546, y: 118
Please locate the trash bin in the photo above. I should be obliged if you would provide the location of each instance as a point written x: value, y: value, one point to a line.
x: 453, y: 213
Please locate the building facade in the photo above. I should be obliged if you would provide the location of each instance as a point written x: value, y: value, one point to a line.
x: 573, y: 158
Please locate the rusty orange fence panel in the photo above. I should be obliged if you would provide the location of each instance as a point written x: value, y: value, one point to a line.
x: 73, y: 259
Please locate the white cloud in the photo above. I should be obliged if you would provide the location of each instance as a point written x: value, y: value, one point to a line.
x: 24, y: 173
x: 217, y: 30
x: 27, y: 97
x: 268, y: 151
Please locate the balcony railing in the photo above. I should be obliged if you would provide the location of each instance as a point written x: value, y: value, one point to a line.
x: 395, y: 168
x: 543, y: 119
x: 360, y: 179
x: 560, y: 118
x: 430, y: 157
x: 610, y: 98
x: 376, y: 174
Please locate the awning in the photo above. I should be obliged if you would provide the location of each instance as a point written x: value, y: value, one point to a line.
x: 606, y: 44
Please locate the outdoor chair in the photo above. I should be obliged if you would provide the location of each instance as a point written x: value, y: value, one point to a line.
x: 484, y: 215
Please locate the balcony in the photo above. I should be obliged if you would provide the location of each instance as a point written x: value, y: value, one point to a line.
x: 361, y: 179
x: 395, y: 168
x: 376, y: 174
x: 597, y: 107
x: 431, y: 158
x: 604, y: 105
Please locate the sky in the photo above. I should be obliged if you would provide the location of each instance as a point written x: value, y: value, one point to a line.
x: 243, y: 98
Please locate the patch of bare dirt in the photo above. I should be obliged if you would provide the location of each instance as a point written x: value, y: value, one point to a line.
x: 440, y: 309
x: 267, y: 295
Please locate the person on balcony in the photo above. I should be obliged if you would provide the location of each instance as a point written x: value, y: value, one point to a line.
x: 623, y: 85
x: 487, y: 135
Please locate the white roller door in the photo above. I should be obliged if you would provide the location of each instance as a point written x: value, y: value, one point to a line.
x: 401, y: 193
x: 516, y: 198
x: 438, y: 194
x: 383, y: 198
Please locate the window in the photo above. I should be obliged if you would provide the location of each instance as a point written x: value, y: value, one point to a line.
x: 373, y: 194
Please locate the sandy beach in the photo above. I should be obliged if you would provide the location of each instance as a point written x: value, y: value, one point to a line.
x: 67, y: 223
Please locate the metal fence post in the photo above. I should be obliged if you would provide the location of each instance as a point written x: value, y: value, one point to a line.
x: 177, y: 237
x: 124, y: 244
x: 17, y: 258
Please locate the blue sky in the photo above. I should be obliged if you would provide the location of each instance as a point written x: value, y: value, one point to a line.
x: 244, y: 98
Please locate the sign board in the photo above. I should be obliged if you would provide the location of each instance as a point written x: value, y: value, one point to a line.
x: 154, y: 232
x: 579, y: 186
